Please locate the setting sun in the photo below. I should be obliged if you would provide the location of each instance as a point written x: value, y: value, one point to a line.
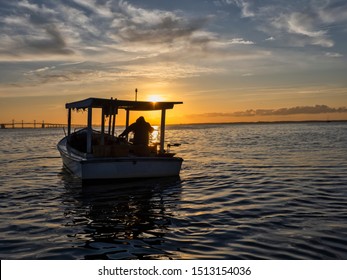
x: 155, y: 98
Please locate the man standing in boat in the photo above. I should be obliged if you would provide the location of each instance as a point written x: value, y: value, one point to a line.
x: 141, y: 130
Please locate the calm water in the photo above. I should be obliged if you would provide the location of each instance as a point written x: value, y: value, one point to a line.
x: 262, y: 191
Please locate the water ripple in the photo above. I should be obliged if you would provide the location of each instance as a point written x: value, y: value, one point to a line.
x: 245, y: 192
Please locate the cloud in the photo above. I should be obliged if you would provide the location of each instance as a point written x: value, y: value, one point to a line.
x: 78, y: 73
x: 51, y: 42
x: 293, y: 23
x: 29, y: 29
x: 153, y: 26
x: 333, y: 54
x: 244, y: 5
x: 112, y: 32
x: 247, y: 75
x: 318, y: 109
x: 92, y: 28
x: 331, y: 11
x: 240, y: 41
x: 303, y: 26
x: 100, y: 8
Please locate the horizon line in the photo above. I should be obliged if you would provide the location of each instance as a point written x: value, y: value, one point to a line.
x: 176, y: 124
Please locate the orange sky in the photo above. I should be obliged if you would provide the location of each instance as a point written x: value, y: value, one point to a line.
x: 197, y: 107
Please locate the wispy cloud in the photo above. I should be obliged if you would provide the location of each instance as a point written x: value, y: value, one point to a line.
x: 331, y: 11
x: 307, y: 23
x: 135, y: 24
x: 79, y: 73
x: 271, y: 38
x: 303, y: 26
x: 111, y: 31
x: 333, y: 54
x: 245, y: 7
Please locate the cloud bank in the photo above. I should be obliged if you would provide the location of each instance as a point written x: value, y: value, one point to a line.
x: 170, y: 44
x: 317, y: 109
x: 92, y: 28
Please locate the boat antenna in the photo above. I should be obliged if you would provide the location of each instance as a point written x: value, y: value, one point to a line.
x: 135, y: 94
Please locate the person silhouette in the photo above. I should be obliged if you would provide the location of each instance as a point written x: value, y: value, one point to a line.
x: 141, y: 130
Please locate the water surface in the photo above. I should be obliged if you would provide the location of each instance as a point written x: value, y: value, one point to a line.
x: 251, y: 191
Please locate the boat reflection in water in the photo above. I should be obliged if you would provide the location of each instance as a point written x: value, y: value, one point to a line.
x: 123, y: 221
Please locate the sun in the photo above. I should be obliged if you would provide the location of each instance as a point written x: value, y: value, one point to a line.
x: 155, y: 98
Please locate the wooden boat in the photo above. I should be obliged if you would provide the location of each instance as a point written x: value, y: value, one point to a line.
x: 95, y: 155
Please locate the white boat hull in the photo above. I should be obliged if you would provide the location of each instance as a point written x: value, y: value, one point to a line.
x: 94, y: 168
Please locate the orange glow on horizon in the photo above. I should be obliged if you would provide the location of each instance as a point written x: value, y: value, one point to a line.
x: 197, y: 107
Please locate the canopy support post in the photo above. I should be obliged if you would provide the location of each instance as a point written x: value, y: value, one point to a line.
x: 162, y: 130
x: 102, y: 140
x: 127, y: 120
x: 89, y: 131
x: 69, y: 122
x: 114, y: 121
x: 109, y: 123
x: 110, y: 117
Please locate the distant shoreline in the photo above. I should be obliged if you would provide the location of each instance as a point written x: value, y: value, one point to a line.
x: 209, y: 123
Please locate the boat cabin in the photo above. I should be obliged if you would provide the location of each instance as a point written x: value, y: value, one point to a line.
x: 109, y: 108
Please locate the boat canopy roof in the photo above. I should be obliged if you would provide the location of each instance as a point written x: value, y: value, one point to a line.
x: 120, y: 104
